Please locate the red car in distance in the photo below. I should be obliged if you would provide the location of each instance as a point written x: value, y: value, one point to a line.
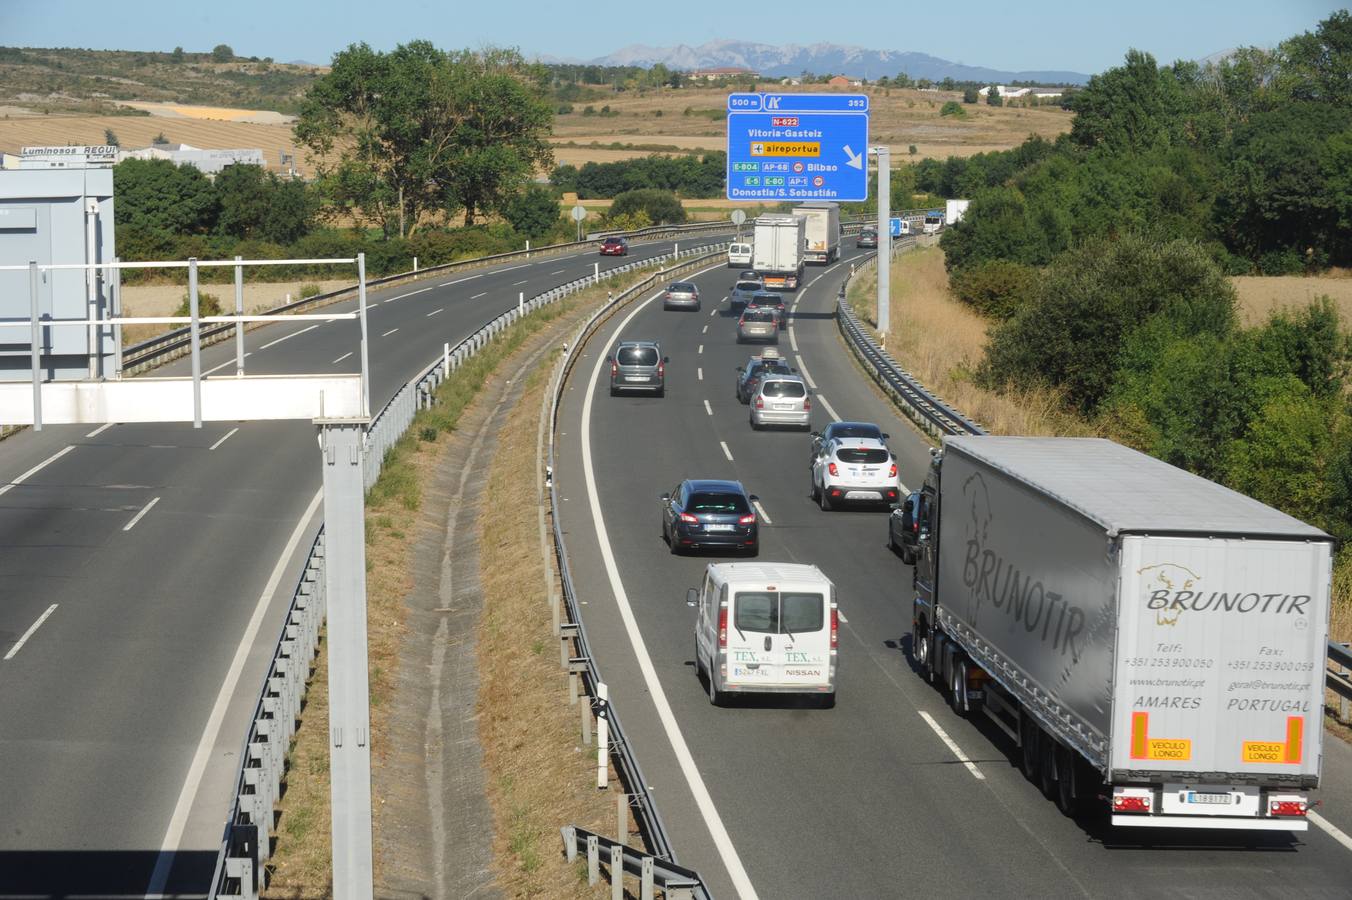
x: 614, y: 246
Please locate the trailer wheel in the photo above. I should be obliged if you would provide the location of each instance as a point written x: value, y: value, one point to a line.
x: 1047, y: 774
x: 957, y: 688
x: 1069, y: 782
x: 1028, y: 745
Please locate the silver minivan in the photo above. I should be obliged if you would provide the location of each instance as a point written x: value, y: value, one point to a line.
x: 766, y: 628
x: 759, y: 324
x: 781, y: 400
x: 638, y: 366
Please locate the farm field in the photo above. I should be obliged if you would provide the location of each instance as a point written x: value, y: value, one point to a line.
x: 1260, y: 295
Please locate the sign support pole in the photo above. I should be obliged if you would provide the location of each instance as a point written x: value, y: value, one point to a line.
x: 35, y: 349
x: 195, y: 328
x: 239, y: 311
x: 884, y: 241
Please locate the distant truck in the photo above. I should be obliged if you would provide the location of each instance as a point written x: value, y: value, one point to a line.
x: 955, y: 210
x: 777, y: 250
x: 822, y: 233
x: 934, y: 221
x: 1141, y: 634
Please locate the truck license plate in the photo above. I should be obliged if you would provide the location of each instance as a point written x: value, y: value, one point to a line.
x: 1208, y: 798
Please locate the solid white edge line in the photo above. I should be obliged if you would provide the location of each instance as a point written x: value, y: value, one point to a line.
x: 341, y: 358
x: 726, y: 451
x: 1329, y: 828
x: 287, y: 337
x: 835, y: 416
x: 174, y: 833
x: 100, y: 430
x: 707, y: 408
x: 802, y: 369
x: 224, y: 439
x: 793, y: 339
x: 763, y: 514
x: 23, y: 639
x: 952, y: 745
x: 390, y: 332
x: 136, y: 518
x: 435, y: 311
x: 741, y: 882
x: 5, y: 488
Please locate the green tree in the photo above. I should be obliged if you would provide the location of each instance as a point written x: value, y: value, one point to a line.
x: 970, y: 95
x: 952, y: 108
x: 993, y: 97
x: 155, y: 194
x: 1133, y: 107
x: 661, y: 207
x: 110, y: 137
x: 222, y: 53
x: 534, y: 212
x: 177, y: 55
x: 1318, y: 66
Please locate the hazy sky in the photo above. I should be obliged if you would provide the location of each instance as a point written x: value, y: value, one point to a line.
x: 1084, y: 36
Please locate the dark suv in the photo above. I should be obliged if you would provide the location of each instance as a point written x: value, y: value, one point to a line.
x: 708, y: 513
x: 638, y: 366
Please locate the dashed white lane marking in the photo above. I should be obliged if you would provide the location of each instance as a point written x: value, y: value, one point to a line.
x: 707, y: 408
x: 726, y: 451
x: 830, y: 409
x: 763, y: 514
x: 410, y: 293
x: 1329, y: 828
x: 462, y: 280
x: 558, y: 271
x: 477, y: 296
x: 700, y: 372
x: 341, y: 358
x: 514, y: 268
x: 228, y: 362
x: 952, y: 745
x: 169, y: 846
x: 18, y: 645
x: 435, y: 311
x: 522, y: 281
x: 285, y: 338
x: 793, y: 339
x: 700, y: 350
x: 6, y: 488
x: 390, y: 332
x: 840, y: 615
x: 706, y: 330
x: 136, y: 518
x: 802, y: 369
x: 703, y: 800
x: 100, y: 430
x: 224, y: 439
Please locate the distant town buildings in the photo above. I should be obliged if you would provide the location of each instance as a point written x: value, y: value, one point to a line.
x: 723, y: 72
x: 1009, y: 93
x: 209, y: 161
x: 80, y: 157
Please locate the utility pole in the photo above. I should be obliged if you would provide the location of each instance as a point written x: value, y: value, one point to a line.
x: 884, y: 154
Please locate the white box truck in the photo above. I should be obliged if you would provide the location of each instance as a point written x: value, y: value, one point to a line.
x: 954, y: 211
x: 777, y: 250
x: 1141, y: 634
x: 822, y: 234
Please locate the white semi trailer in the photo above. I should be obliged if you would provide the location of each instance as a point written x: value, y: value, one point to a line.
x: 777, y: 250
x: 822, y: 232
x: 1143, y: 635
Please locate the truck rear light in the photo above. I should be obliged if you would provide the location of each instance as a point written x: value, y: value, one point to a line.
x: 835, y: 628
x: 689, y: 519
x: 1287, y: 807
x: 1133, y: 800
x: 831, y: 467
x: 747, y: 519
x: 722, y: 627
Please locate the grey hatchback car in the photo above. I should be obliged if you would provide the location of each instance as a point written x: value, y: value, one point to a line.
x: 638, y: 366
x: 758, y: 324
x: 681, y: 295
x: 781, y: 400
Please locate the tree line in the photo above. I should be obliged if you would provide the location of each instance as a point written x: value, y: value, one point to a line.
x: 1102, y: 263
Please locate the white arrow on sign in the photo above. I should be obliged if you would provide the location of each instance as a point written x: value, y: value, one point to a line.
x: 855, y: 159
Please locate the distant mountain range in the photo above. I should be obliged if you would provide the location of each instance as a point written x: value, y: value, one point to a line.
x: 792, y: 60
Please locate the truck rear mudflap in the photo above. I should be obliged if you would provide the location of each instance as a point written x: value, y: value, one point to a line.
x: 1234, y: 807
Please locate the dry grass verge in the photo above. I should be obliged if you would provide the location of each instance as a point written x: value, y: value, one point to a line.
x: 534, y: 773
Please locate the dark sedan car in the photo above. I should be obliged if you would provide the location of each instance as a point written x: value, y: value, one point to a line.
x: 704, y: 513
x: 770, y: 300
x: 868, y: 239
x: 614, y: 246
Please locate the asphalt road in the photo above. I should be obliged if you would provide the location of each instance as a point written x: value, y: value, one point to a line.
x: 132, y: 562
x: 870, y: 799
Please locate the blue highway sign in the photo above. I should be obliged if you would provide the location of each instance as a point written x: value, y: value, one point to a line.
x: 895, y: 226
x: 797, y: 146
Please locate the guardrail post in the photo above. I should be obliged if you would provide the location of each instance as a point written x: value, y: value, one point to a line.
x: 569, y: 842
x: 520, y: 303
x: 622, y: 818
x: 645, y: 885
x: 596, y: 271
x: 602, y: 737
x: 415, y: 264
x: 593, y: 860
x: 616, y: 872
x: 239, y: 311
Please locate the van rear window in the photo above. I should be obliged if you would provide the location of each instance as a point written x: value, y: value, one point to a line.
x: 784, y: 389
x: 773, y: 612
x: 862, y: 455
x: 637, y: 356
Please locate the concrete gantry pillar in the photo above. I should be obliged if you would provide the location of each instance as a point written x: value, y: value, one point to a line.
x: 342, y: 443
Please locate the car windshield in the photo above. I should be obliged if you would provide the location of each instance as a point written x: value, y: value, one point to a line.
x: 682, y: 287
x: 857, y: 430
x: 767, y: 300
x: 758, y: 315
x: 748, y: 286
x: 783, y: 389
x: 773, y: 612
x: 637, y: 356
x: 872, y: 455
x: 709, y: 502
x: 612, y: 242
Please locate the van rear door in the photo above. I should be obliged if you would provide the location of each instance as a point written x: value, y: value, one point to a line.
x: 779, y: 640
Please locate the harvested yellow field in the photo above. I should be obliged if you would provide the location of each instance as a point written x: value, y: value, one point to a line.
x: 1259, y: 295
x: 218, y: 113
x: 139, y: 131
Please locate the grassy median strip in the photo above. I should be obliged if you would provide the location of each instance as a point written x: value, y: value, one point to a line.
x: 538, y: 779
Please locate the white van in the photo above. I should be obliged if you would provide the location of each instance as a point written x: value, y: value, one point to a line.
x: 766, y: 628
x: 739, y: 256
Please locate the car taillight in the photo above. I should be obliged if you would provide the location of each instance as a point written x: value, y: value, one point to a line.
x: 747, y: 519
x: 614, y: 368
x: 807, y: 404
x: 1287, y: 807
x: 831, y: 467
x: 662, y: 370
x: 689, y: 519
x: 1129, y: 804
x: 722, y: 627
x: 892, y: 472
x: 760, y: 402
x: 835, y: 629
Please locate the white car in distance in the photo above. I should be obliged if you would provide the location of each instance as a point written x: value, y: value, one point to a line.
x: 855, y: 470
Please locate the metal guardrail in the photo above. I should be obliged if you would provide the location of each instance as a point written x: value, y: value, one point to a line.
x: 937, y: 417
x: 246, y: 844
x: 643, y: 807
x: 676, y: 882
